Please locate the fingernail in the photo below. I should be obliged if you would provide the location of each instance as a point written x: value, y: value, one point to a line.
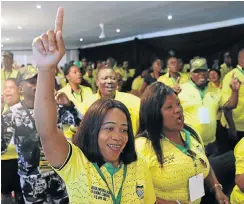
x: 51, y: 48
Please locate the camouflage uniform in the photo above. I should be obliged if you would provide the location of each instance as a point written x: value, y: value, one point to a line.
x: 39, y: 183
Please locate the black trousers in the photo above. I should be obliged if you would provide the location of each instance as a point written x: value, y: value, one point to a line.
x: 224, y: 168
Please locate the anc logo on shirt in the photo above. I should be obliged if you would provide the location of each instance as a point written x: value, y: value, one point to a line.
x: 140, y: 191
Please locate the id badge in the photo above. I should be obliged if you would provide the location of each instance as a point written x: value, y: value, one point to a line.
x: 203, y: 115
x: 196, y: 187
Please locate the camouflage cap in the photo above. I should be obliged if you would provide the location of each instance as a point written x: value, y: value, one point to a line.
x: 199, y: 64
x: 8, y: 54
x: 29, y: 73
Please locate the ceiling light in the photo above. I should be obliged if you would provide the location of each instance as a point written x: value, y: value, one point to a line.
x: 102, y: 35
x: 81, y: 39
x: 38, y: 6
x: 19, y: 27
x: 117, y: 30
x: 7, y: 39
x: 169, y: 17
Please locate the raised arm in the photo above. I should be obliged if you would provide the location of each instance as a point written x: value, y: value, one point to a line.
x: 48, y: 50
x: 235, y: 86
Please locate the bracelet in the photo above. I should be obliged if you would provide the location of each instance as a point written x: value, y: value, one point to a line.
x: 217, y: 185
x: 178, y: 202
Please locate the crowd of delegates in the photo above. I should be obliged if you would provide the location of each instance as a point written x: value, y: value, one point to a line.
x: 96, y: 133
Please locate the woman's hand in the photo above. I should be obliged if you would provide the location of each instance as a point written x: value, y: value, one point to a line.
x: 48, y: 48
x: 221, y: 197
x: 62, y: 99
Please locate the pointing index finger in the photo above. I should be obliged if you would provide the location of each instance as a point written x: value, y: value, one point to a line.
x: 59, y: 20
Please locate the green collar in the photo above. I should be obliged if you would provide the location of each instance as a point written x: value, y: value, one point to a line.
x: 201, y: 91
x: 111, y: 169
x: 187, y: 144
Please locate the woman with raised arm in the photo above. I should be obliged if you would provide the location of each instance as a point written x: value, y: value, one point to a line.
x: 101, y: 166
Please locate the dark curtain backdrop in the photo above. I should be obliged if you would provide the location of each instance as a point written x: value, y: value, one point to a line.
x: 140, y: 53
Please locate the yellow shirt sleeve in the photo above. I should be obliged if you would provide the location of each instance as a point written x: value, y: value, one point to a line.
x: 149, y: 194
x: 226, y: 90
x: 239, y: 155
x: 75, y: 164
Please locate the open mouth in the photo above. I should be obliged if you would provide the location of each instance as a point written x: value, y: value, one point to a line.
x: 180, y: 119
x: 114, y: 147
x: 7, y: 96
x: 202, y: 79
x: 109, y: 87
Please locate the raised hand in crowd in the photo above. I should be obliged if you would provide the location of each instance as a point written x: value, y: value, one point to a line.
x: 177, y: 86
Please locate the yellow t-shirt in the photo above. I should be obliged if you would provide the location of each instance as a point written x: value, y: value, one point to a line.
x: 238, y: 112
x: 218, y: 89
x: 191, y: 101
x: 94, y: 73
x: 237, y: 197
x: 224, y: 69
x: 170, y: 81
x: 11, y: 149
x: 137, y: 83
x: 130, y: 101
x: 62, y: 79
x: 172, y: 180
x: 125, y: 74
x: 77, y: 98
x: 6, y: 75
x: 92, y: 82
x: 85, y: 185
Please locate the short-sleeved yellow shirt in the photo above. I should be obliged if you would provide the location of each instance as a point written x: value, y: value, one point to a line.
x: 124, y: 73
x: 237, y: 197
x: 218, y: 89
x: 6, y: 75
x: 137, y: 83
x: 171, y: 181
x: 130, y: 101
x: 224, y: 69
x: 92, y: 82
x: 61, y: 79
x: 77, y: 98
x: 191, y: 101
x: 238, y: 112
x: 85, y: 185
x: 169, y: 81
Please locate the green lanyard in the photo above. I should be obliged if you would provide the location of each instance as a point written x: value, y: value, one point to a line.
x: 202, y: 92
x: 173, y: 80
x: 187, y: 143
x: 116, y: 200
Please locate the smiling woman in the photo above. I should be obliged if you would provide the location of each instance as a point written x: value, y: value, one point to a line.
x: 107, y: 84
x: 102, y: 166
